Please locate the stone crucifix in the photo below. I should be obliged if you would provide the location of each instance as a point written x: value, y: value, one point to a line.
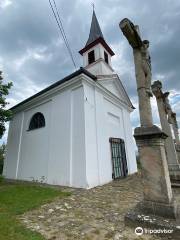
x: 176, y: 134
x: 173, y: 121
x: 142, y: 62
x: 165, y: 113
x: 158, y: 197
x: 175, y: 128
x: 171, y: 117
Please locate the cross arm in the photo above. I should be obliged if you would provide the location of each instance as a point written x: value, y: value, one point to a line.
x: 131, y: 33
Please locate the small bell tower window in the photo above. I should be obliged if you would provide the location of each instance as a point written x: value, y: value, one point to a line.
x: 91, y: 57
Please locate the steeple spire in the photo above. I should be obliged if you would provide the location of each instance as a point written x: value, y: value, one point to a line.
x: 97, y: 53
x: 95, y: 31
x: 95, y: 37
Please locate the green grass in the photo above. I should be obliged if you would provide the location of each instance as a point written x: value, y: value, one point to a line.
x: 18, y: 198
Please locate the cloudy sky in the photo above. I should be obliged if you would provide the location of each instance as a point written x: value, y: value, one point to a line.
x: 33, y: 54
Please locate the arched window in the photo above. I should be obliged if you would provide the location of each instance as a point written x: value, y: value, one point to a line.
x: 37, y: 121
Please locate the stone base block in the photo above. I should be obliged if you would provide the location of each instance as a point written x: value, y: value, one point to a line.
x: 174, y: 167
x: 155, y: 175
x: 177, y: 146
x: 158, y: 209
x: 174, y: 176
x: 147, y: 133
x: 160, y: 226
x: 174, y: 172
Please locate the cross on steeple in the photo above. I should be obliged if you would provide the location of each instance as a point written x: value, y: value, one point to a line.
x: 93, y: 6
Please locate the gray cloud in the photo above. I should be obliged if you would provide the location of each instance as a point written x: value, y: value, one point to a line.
x: 33, y: 55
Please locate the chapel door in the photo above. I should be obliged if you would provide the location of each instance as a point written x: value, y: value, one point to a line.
x: 118, y: 156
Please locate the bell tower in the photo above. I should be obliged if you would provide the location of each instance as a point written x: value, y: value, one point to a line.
x: 97, y: 53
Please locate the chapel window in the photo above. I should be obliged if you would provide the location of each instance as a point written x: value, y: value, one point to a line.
x: 37, y: 121
x: 106, y: 57
x: 91, y: 57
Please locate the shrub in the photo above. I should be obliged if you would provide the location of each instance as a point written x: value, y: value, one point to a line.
x: 2, y: 155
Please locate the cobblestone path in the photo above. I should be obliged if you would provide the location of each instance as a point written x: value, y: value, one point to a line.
x: 95, y: 214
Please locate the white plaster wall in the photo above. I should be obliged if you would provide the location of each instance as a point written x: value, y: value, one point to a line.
x: 78, y: 156
x: 13, y: 142
x: 99, y: 53
x: 119, y: 126
x: 114, y: 119
x: 104, y: 158
x: 109, y: 84
x: 56, y: 151
x: 67, y: 153
x: 59, y: 150
x: 95, y: 68
x: 129, y: 143
x: 92, y: 167
x: 73, y: 149
x: 34, y: 150
x: 114, y: 125
x: 105, y: 69
x: 102, y: 49
x: 96, y: 49
x: 101, y: 67
x: 97, y: 132
x: 103, y: 119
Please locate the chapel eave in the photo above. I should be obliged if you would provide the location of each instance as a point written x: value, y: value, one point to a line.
x: 56, y: 84
x: 92, y: 44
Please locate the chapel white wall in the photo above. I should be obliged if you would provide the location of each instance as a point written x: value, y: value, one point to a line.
x: 58, y: 165
x: 56, y: 151
x: 104, y: 119
x: 91, y: 141
x: 67, y: 150
x: 119, y: 126
x: 12, y: 154
x: 34, y: 149
x: 110, y: 85
x: 73, y: 149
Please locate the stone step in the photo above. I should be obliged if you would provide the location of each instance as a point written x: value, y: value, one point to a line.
x: 175, y: 184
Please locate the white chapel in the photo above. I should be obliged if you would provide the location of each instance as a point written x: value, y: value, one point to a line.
x: 76, y: 132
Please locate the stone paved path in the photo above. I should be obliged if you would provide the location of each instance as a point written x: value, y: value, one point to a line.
x: 95, y: 214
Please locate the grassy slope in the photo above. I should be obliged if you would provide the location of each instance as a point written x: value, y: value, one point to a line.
x: 16, y: 199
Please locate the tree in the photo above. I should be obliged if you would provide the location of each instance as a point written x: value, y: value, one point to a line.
x: 2, y: 155
x: 5, y: 115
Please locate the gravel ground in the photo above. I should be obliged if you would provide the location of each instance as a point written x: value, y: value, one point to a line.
x: 95, y: 214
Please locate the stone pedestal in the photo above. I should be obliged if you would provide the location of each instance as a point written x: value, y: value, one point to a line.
x: 174, y: 170
x: 158, y: 198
